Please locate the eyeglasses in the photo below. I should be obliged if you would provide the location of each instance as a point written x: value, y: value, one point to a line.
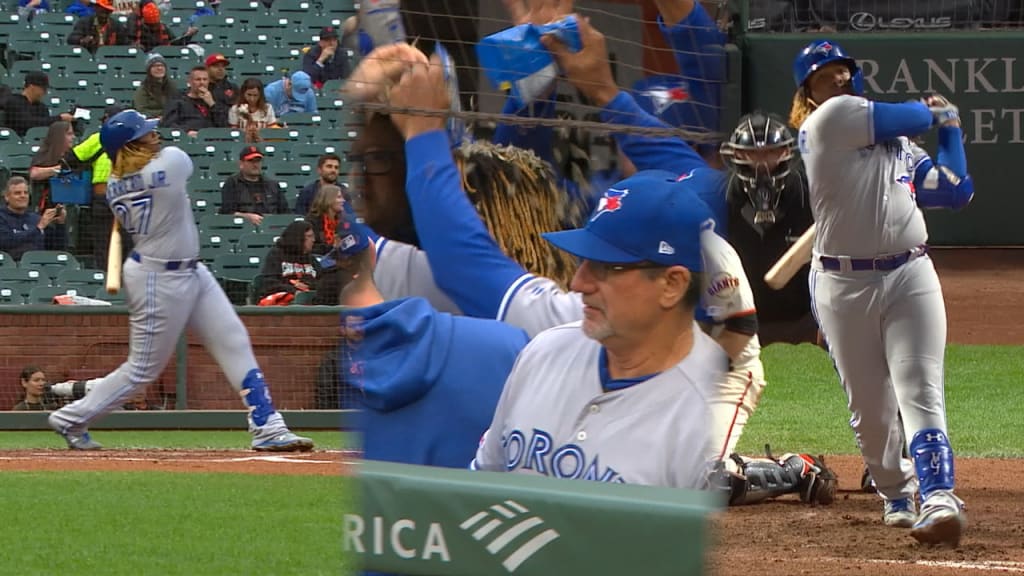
x: 374, y: 163
x: 601, y: 270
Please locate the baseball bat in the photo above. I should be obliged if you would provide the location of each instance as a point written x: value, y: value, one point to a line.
x: 792, y: 261
x: 114, y: 258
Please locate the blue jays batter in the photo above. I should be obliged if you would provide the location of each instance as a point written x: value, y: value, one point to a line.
x: 874, y: 289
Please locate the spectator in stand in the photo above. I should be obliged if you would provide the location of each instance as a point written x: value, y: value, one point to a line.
x: 80, y: 9
x: 324, y: 215
x: 249, y: 194
x: 251, y: 112
x: 91, y: 32
x: 89, y: 155
x: 26, y: 110
x: 22, y: 229
x: 149, y: 32
x: 292, y: 95
x: 33, y: 380
x: 31, y: 7
x: 289, y: 266
x: 196, y: 108
x: 328, y: 167
x: 50, y: 161
x: 224, y: 90
x: 157, y: 91
x: 323, y: 61
x: 140, y: 401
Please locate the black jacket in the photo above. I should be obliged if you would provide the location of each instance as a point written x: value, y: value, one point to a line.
x: 263, y: 196
x: 333, y: 69
x: 224, y: 92
x: 20, y: 233
x: 193, y: 114
x: 22, y: 114
x: 279, y: 272
x: 114, y: 33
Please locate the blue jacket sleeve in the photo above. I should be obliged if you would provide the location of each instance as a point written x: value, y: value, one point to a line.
x: 699, y: 49
x: 904, y: 119
x: 951, y: 150
x: 648, y: 152
x: 536, y: 138
x: 947, y: 184
x: 466, y: 262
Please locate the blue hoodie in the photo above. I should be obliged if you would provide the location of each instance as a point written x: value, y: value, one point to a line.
x: 430, y: 381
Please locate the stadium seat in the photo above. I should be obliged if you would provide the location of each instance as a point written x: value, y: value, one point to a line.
x: 84, y: 277
x: 23, y: 273
x: 52, y: 262
x: 68, y: 85
x: 241, y: 8
x: 8, y: 135
x: 304, y: 298
x: 221, y: 169
x: 171, y: 134
x: 209, y: 253
x: 276, y: 223
x: 282, y: 134
x: 222, y: 240
x: 19, y: 68
x: 262, y: 70
x: 228, y: 225
x: 115, y: 299
x: 10, y: 296
x: 219, y: 135
x: 236, y: 273
x: 202, y: 207
x: 67, y: 51
x: 312, y: 152
x: 114, y: 52
x: 6, y: 261
x: 332, y: 87
x: 256, y: 243
x: 45, y: 294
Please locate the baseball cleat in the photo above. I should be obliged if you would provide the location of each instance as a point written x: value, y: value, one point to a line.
x: 286, y: 441
x: 899, y: 513
x: 76, y: 439
x: 942, y: 520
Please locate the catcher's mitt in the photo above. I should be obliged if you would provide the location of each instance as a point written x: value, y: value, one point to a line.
x: 819, y: 483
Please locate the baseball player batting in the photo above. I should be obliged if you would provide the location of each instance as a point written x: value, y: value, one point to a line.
x: 167, y: 289
x: 874, y: 289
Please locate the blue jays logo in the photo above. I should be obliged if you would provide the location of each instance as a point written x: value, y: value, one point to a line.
x: 662, y: 98
x: 610, y: 202
x: 823, y: 48
x: 907, y: 181
x: 686, y: 176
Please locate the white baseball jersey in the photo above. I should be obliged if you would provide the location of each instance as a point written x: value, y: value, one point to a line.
x: 727, y: 294
x: 403, y: 270
x: 153, y: 206
x: 862, y: 192
x: 554, y: 418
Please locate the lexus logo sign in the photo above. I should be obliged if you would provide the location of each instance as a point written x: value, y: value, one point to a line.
x: 862, y: 21
x: 866, y: 22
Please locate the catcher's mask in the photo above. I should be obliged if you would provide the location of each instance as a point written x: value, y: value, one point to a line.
x: 759, y: 153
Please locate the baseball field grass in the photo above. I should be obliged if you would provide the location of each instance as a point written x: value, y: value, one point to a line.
x: 139, y: 523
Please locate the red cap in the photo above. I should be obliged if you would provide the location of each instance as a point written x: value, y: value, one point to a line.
x: 250, y: 153
x: 216, y: 59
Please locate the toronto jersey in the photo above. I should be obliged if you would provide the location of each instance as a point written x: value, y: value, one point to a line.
x: 862, y: 191
x: 153, y: 206
x: 554, y: 419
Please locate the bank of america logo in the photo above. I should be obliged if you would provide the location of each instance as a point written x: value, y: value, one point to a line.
x: 525, y: 528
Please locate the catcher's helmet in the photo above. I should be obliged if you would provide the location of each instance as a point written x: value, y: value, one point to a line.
x: 759, y: 153
x: 821, y: 52
x: 122, y: 128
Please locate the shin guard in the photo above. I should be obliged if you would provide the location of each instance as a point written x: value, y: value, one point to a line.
x: 933, y: 460
x: 257, y: 397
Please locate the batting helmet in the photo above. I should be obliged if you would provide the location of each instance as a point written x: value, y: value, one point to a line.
x: 822, y: 52
x: 122, y: 128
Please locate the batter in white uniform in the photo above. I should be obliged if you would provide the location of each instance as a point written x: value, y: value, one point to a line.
x: 874, y: 290
x: 167, y: 289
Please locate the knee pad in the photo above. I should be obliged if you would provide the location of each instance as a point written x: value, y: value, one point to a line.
x: 933, y: 460
x: 257, y: 397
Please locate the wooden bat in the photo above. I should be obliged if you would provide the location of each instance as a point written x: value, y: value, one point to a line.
x: 792, y: 261
x: 114, y: 258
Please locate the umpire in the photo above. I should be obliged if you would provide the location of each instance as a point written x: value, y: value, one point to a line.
x: 769, y: 208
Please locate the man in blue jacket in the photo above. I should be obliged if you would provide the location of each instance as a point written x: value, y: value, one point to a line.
x: 22, y: 230
x: 429, y: 381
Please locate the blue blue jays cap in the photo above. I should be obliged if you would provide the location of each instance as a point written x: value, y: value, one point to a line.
x: 648, y: 217
x: 353, y: 239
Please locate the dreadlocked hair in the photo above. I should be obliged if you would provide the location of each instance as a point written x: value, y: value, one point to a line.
x: 131, y: 158
x: 801, y: 109
x: 517, y: 196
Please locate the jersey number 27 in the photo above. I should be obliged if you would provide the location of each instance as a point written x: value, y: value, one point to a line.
x: 134, y: 214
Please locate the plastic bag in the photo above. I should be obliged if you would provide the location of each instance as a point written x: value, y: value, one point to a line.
x: 514, y: 59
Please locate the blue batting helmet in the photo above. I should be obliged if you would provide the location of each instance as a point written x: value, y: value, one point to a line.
x: 122, y: 128
x: 822, y: 52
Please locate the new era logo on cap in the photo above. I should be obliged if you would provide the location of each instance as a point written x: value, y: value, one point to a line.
x: 665, y: 248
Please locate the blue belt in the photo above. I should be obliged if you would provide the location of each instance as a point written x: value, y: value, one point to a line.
x: 884, y: 264
x: 170, y: 264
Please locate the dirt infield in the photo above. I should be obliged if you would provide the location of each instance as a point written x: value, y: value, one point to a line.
x: 984, y: 292
x: 319, y: 463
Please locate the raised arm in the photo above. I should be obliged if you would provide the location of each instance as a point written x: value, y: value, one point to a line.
x: 945, y: 183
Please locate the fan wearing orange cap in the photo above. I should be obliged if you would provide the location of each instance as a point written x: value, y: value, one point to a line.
x: 149, y: 32
x: 91, y: 32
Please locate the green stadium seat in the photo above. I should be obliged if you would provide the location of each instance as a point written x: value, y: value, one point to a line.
x: 48, y: 19
x: 236, y: 273
x: 304, y: 168
x: 45, y: 294
x: 219, y: 134
x: 8, y: 135
x: 210, y: 253
x: 115, y: 299
x: 98, y: 102
x: 67, y: 85
x: 15, y: 149
x: 221, y: 169
x: 24, y: 273
x: 67, y: 51
x: 312, y: 152
x: 202, y: 207
x: 227, y: 224
x: 304, y: 298
x: 276, y: 223
x: 53, y: 262
x: 17, y: 165
x: 171, y: 134
x: 242, y: 8
x: 84, y: 277
x: 256, y: 243
x: 113, y: 52
x: 223, y: 20
x: 24, y: 43
x: 332, y: 87
x: 10, y: 295
x: 223, y: 240
x: 6, y: 261
x: 19, y: 68
x: 262, y: 70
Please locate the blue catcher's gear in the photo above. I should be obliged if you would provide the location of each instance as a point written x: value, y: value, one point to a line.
x: 822, y: 52
x: 122, y: 128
